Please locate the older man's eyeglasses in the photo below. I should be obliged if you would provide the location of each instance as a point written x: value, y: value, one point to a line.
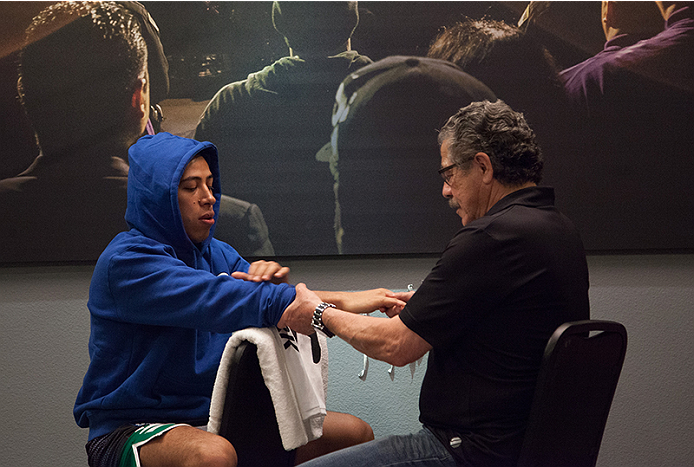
x: 446, y: 173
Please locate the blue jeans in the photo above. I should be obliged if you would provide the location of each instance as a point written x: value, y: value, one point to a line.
x: 420, y: 449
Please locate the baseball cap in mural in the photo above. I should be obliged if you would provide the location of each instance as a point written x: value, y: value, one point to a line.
x: 397, y: 76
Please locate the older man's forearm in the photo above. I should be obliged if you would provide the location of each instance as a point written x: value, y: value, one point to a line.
x: 385, y: 339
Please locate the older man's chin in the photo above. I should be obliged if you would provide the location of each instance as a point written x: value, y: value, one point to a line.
x: 455, y: 206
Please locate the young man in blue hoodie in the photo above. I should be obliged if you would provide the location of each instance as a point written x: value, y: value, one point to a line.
x: 164, y: 298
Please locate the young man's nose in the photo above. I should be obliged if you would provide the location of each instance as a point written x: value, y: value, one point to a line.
x: 208, y: 197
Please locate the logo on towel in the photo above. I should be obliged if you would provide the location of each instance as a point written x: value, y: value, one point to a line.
x: 289, y: 338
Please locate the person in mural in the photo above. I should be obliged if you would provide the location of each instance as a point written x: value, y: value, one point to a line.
x: 636, y: 43
x: 164, y: 299
x: 88, y: 74
x: 516, y: 67
x: 269, y: 127
x: 385, y: 121
x: 70, y: 202
x: 635, y: 103
x: 515, y: 272
x: 492, y: 50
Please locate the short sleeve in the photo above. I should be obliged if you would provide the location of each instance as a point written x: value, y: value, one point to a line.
x: 464, y: 285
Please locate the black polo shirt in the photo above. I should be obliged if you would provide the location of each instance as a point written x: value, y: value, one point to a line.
x: 504, y: 283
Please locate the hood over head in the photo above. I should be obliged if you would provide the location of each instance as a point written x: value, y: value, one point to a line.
x: 157, y: 163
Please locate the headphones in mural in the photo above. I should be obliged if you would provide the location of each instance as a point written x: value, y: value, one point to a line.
x: 157, y: 64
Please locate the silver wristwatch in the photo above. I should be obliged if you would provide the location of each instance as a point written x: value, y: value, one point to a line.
x: 317, y: 321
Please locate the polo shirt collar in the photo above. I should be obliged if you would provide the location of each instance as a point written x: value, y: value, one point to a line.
x: 534, y: 196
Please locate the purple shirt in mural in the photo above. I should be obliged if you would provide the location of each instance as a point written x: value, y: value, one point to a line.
x: 666, y: 58
x: 635, y: 106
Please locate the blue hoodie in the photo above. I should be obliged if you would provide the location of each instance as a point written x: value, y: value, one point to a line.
x: 161, y: 312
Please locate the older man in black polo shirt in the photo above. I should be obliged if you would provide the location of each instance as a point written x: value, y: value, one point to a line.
x: 506, y: 281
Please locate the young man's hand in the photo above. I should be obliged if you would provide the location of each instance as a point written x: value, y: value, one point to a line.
x: 264, y: 271
x: 366, y: 301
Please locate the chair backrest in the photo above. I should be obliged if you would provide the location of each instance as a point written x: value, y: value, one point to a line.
x: 248, y: 419
x: 576, y: 384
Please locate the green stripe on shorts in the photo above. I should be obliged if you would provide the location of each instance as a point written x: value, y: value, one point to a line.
x: 141, y: 436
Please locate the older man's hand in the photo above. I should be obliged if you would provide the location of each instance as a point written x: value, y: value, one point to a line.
x: 299, y: 313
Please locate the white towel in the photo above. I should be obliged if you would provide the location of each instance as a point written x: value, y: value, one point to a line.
x: 310, y: 386
x: 297, y: 385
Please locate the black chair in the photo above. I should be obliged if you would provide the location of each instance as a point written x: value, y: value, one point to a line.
x: 576, y: 384
x: 248, y: 418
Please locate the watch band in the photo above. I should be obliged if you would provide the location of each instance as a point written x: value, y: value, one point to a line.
x: 317, y: 321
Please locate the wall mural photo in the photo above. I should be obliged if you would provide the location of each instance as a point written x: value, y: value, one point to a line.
x: 325, y: 116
